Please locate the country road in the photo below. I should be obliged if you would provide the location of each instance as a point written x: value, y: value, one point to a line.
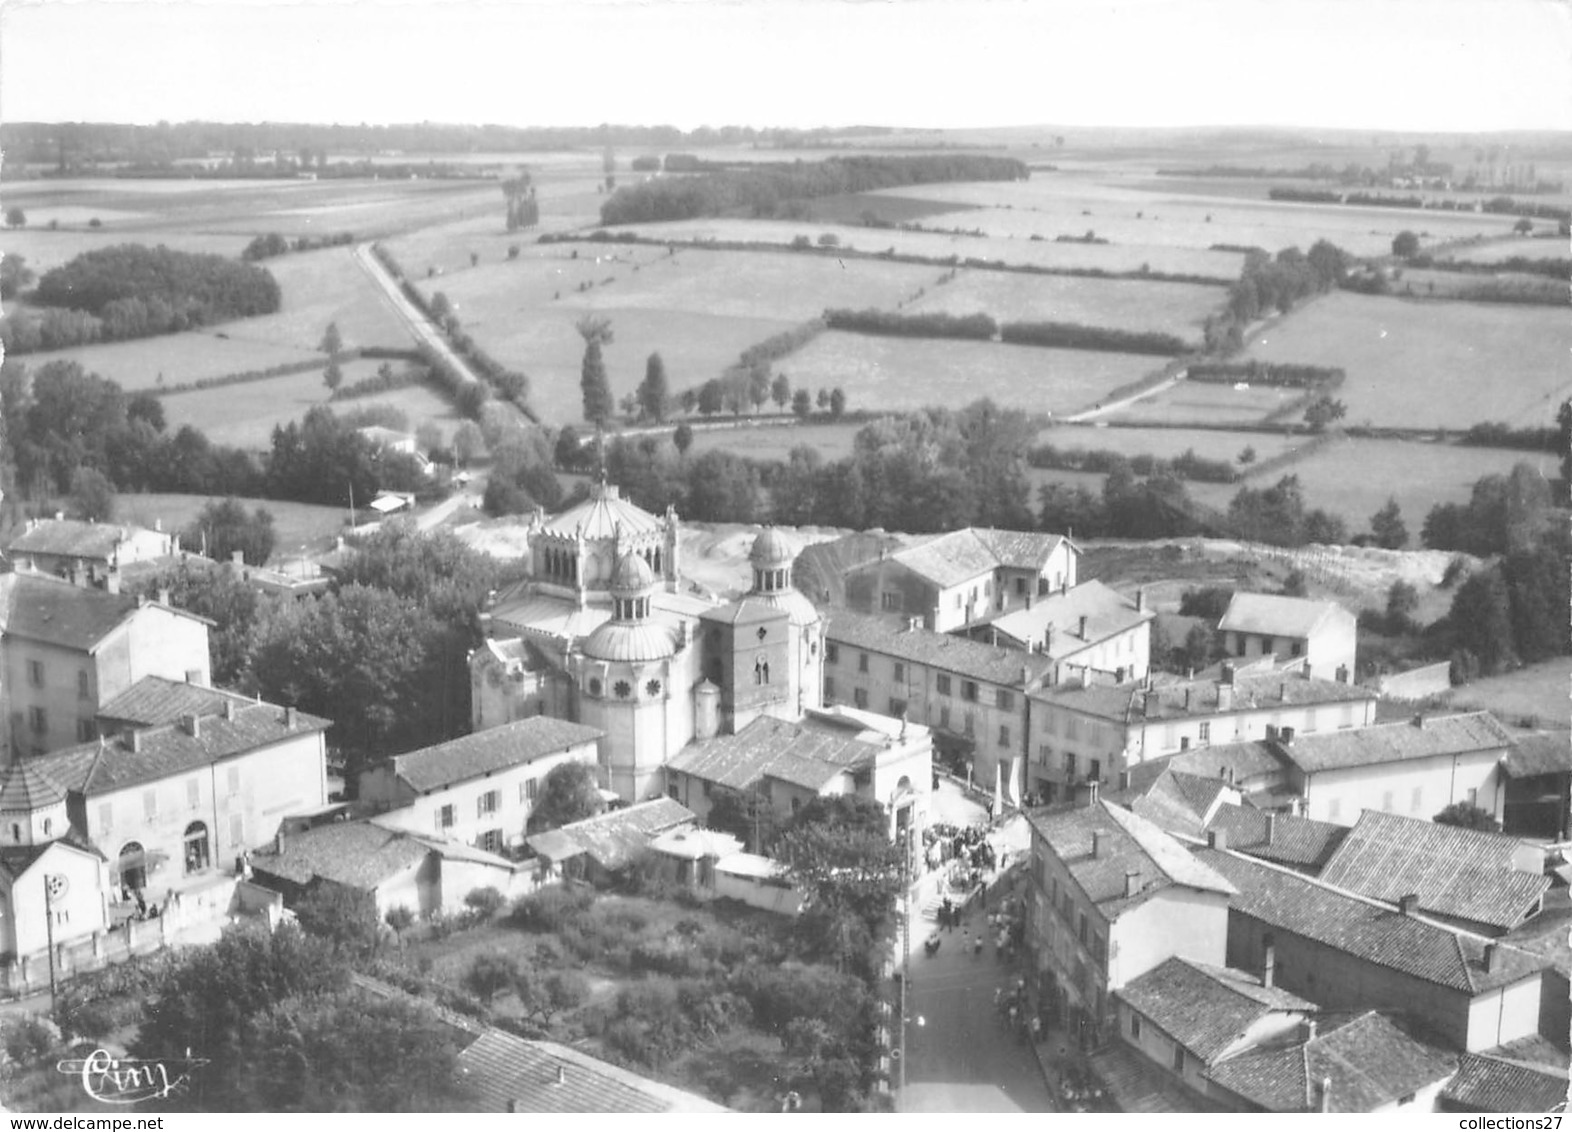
x: 412, y: 315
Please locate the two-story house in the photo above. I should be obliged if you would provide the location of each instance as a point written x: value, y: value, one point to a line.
x: 479, y: 789
x: 951, y: 580
x: 782, y: 765
x: 1321, y: 634
x: 1112, y: 897
x: 972, y: 694
x: 66, y: 651
x: 86, y: 553
x: 1088, y: 629
x: 1082, y: 731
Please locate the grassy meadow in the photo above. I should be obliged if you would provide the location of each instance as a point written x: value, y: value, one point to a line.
x: 295, y: 524
x: 1199, y: 403
x: 1421, y: 364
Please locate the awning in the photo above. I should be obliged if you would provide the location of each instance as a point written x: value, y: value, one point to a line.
x: 388, y: 503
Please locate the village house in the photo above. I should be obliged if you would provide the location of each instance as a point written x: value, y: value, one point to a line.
x: 1088, y: 629
x: 602, y: 848
x: 86, y: 553
x: 1369, y: 1064
x: 1537, y: 801
x: 402, y: 443
x: 1319, y: 634
x: 1284, y: 839
x: 1112, y: 897
x: 1482, y: 882
x: 953, y: 580
x: 974, y: 696
x: 1090, y: 730
x: 1345, y: 951
x: 479, y: 789
x: 69, y: 651
x: 1494, y: 1084
x: 780, y: 766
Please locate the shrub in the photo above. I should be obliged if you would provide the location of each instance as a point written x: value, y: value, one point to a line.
x: 551, y: 909
x: 486, y: 901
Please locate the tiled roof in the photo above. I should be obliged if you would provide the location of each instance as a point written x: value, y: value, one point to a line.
x: 25, y: 786
x: 113, y: 764
x: 1540, y: 753
x: 1462, y: 873
x: 69, y: 538
x: 1369, y: 1062
x: 1206, y: 1009
x: 1019, y: 550
x: 1284, y: 838
x: 356, y: 854
x: 1397, y: 742
x: 155, y: 700
x: 1280, y: 616
x: 503, y: 1073
x: 1126, y: 844
x: 604, y: 515
x: 1376, y: 933
x: 810, y: 752
x: 1191, y: 699
x: 486, y: 752
x: 1488, y: 1084
x: 949, y: 559
x: 1107, y: 613
x: 820, y: 570
x: 614, y: 838
x: 1250, y: 761
x: 1010, y: 668
x: 47, y: 609
x: 1179, y: 802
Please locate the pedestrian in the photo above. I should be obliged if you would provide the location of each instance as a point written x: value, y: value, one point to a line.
x: 1036, y: 1025
x: 977, y: 945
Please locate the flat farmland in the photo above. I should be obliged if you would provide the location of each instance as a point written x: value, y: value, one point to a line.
x: 1166, y: 443
x: 1170, y: 308
x: 43, y: 249
x: 1202, y: 403
x: 318, y: 288
x: 1222, y: 266
x: 698, y: 309
x: 1047, y: 207
x: 1496, y: 250
x: 295, y: 524
x: 908, y: 373
x: 1540, y: 690
x: 1431, y: 364
x: 1354, y: 477
x: 244, y: 414
x: 776, y: 441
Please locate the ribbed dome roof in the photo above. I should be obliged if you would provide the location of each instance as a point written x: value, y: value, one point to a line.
x: 24, y: 788
x: 639, y: 641
x: 633, y: 576
x: 602, y: 515
x: 799, y: 610
x: 772, y: 548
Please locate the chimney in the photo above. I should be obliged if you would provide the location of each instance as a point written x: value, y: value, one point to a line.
x: 1225, y: 697
x: 562, y: 1075
x: 1132, y: 882
x: 1285, y: 735
x: 1271, y: 826
x: 1492, y: 957
x: 1326, y: 1094
x: 112, y: 580
x: 1419, y: 722
x: 1228, y: 673
x: 1026, y: 676
x: 1028, y: 599
x: 290, y: 718
x: 1187, y: 700
x: 1097, y: 843
x: 1217, y: 839
x: 1048, y: 639
x: 1409, y: 904
x: 229, y: 710
x: 192, y: 725
x: 1269, y: 964
x: 158, y: 525
x: 1271, y: 732
x: 913, y: 624
x: 1064, y: 585
x: 59, y: 516
x: 1282, y: 691
x: 1140, y: 601
x: 163, y: 595
x: 1083, y: 627
x: 1309, y: 1029
x: 278, y: 840
x: 1091, y: 792
x: 135, y: 738
x: 1124, y: 780
x: 1342, y: 673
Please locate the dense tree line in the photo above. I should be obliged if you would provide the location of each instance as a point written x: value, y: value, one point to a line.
x: 1500, y: 205
x: 928, y: 324
x: 1513, y: 265
x: 1269, y: 285
x: 132, y: 291
x: 1186, y: 466
x: 761, y: 190
x: 273, y: 244
x: 1285, y: 375
x: 1072, y: 336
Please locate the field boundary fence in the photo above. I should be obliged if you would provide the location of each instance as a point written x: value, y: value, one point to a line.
x: 1323, y: 565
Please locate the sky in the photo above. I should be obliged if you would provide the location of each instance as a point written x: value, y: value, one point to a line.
x: 1412, y: 65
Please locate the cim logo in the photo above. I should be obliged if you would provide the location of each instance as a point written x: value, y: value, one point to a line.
x: 127, y: 1080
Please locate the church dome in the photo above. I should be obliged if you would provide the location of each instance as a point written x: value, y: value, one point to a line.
x: 24, y: 788
x: 633, y: 576
x: 632, y: 643
x: 772, y: 549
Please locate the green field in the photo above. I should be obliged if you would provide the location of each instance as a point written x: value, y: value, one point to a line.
x: 245, y: 414
x: 1167, y: 443
x: 1051, y: 205
x: 1539, y: 690
x: 1170, y: 308
x: 318, y: 288
x: 1431, y: 365
x: 698, y: 310
x: 775, y: 441
x: 1201, y: 403
x: 908, y: 373
x: 1169, y: 259
x: 1494, y: 250
x: 295, y: 524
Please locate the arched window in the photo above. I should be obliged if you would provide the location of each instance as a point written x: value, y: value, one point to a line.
x: 131, y: 863
x: 49, y: 827
x: 761, y: 671
x: 196, y: 847
x: 16, y: 832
